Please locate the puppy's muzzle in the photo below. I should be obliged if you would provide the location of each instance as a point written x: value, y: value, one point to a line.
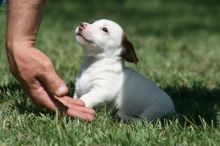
x: 79, y: 32
x: 82, y: 26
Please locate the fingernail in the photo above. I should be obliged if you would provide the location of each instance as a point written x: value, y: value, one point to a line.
x: 61, y: 91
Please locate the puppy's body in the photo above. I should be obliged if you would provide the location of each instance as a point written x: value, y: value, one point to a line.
x: 104, y: 78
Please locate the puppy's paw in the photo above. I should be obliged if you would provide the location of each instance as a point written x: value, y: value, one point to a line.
x: 86, y: 102
x: 75, y: 96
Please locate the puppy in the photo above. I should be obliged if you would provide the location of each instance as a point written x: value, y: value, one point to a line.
x: 103, y: 77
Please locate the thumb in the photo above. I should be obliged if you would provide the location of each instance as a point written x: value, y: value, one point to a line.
x: 53, y: 83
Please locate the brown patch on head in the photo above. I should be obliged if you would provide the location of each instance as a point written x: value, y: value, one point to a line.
x: 128, y: 52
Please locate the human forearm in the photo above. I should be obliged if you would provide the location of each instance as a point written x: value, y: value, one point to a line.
x: 24, y: 18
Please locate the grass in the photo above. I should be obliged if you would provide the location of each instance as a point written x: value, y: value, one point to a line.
x: 177, y: 43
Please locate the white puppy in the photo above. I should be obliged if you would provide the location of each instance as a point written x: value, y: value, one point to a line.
x: 103, y: 78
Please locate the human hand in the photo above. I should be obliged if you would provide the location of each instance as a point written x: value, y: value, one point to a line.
x: 35, y: 72
x: 31, y: 67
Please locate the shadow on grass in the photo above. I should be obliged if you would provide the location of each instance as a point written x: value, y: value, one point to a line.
x: 20, y: 101
x: 196, y: 102
x: 192, y: 103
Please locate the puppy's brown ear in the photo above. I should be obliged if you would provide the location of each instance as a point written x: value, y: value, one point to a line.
x: 128, y: 52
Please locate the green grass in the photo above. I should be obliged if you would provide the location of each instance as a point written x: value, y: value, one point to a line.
x: 178, y: 46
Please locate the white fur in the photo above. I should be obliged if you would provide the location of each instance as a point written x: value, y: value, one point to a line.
x: 103, y: 77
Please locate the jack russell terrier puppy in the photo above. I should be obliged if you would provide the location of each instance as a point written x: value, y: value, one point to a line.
x: 103, y: 77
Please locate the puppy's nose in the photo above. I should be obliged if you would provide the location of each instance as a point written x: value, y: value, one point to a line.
x: 82, y: 26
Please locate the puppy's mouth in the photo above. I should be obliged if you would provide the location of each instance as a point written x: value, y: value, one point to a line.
x: 87, y: 40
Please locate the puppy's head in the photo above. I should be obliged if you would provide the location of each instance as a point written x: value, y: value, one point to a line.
x: 105, y: 37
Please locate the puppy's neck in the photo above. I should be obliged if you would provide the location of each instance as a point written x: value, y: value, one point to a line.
x: 98, y: 54
x: 102, y: 59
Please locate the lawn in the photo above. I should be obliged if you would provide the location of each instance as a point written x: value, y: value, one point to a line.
x: 178, y: 45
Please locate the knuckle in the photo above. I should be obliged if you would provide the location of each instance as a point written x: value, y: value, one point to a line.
x: 47, y: 65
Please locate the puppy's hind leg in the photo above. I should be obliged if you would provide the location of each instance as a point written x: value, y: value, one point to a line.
x: 154, y: 112
x: 126, y: 118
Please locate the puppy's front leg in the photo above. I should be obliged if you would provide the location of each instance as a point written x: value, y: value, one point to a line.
x: 93, y: 98
x: 75, y: 95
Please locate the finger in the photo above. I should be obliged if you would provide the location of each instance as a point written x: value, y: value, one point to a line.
x: 72, y: 100
x: 42, y: 98
x: 76, y: 105
x: 53, y: 83
x: 83, y: 109
x: 79, y: 114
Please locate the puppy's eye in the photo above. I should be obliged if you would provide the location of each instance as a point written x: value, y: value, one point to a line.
x: 105, y: 29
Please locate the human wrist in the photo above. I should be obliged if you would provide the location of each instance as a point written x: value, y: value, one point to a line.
x: 13, y: 44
